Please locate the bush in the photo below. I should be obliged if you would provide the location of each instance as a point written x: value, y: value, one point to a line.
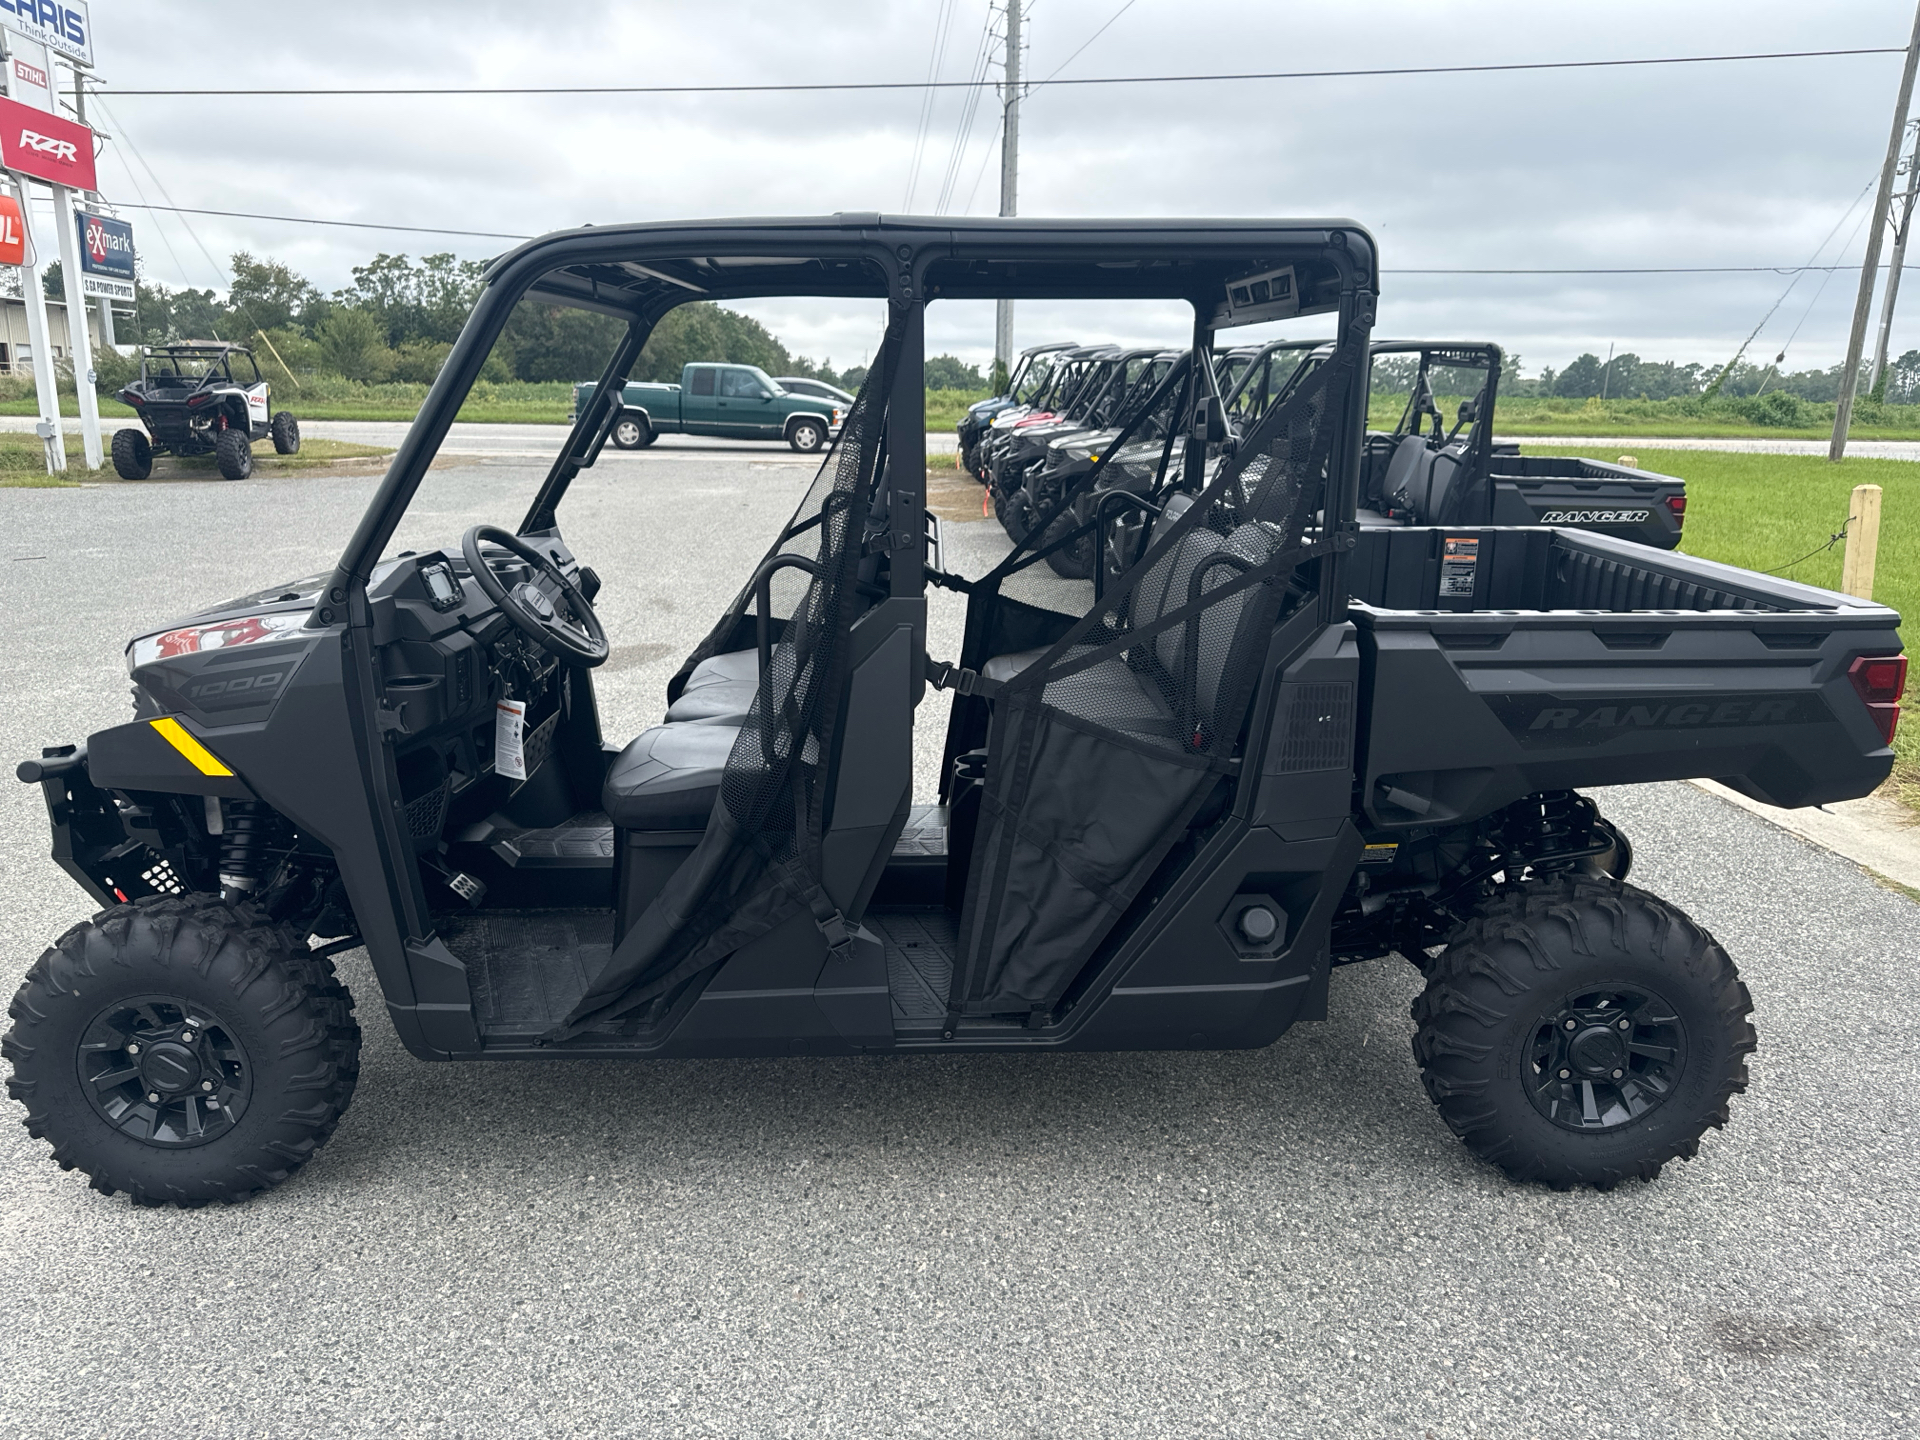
x: 419, y: 361
x: 353, y: 343
x: 1779, y: 410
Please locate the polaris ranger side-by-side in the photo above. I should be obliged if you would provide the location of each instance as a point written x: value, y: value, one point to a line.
x: 192, y: 402
x: 1275, y: 743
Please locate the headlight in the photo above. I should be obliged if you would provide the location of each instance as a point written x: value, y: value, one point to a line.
x: 222, y: 635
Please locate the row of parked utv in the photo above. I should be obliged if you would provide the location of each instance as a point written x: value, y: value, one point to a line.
x: 1067, y: 404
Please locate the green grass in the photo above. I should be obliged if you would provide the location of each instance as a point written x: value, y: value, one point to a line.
x: 521, y: 402
x: 1724, y: 418
x: 23, y: 462
x: 1766, y: 512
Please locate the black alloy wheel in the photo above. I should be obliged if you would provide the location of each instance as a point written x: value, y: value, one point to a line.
x: 1580, y: 1031
x: 1605, y: 1058
x: 164, y: 1070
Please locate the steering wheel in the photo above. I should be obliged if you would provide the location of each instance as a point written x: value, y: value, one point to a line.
x: 572, y: 633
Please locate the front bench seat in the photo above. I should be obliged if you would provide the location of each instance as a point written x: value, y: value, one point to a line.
x: 668, y: 778
x: 720, y: 690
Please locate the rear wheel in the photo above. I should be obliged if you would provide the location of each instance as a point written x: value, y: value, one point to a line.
x: 286, y: 434
x: 233, y: 453
x: 1582, y: 1032
x: 132, y: 454
x: 632, y: 432
x: 182, y: 1051
x: 807, y: 436
x: 1017, y: 515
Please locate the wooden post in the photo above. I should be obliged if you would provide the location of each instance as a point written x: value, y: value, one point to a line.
x: 1863, y: 541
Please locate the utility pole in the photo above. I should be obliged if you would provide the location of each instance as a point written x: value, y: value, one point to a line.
x: 1870, y: 267
x: 80, y: 113
x: 1877, y: 372
x: 1010, y: 177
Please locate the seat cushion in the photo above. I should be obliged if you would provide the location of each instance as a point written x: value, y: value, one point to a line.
x: 1108, y: 693
x: 720, y: 690
x: 668, y: 778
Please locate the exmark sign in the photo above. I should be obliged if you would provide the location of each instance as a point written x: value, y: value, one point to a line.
x: 106, y: 256
x: 61, y: 25
x: 47, y: 147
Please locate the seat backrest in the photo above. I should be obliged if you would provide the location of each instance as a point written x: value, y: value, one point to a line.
x: 1443, y: 499
x: 1165, y: 587
x: 1399, y: 486
x: 1223, y: 640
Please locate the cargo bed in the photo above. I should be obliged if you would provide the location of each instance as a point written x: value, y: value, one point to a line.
x: 1548, y: 659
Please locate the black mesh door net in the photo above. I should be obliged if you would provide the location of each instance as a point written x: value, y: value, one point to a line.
x: 758, y: 862
x: 1104, y: 746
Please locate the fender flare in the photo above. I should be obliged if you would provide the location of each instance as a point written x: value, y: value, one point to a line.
x: 786, y: 427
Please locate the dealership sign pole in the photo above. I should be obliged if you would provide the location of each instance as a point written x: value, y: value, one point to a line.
x: 34, y: 297
x: 37, y: 140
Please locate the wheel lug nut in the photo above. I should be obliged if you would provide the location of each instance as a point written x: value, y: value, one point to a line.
x: 1573, y: 1024
x: 133, y: 1049
x: 187, y: 1036
x: 1626, y: 1024
x: 153, y: 1097
x: 206, y: 1084
x: 1618, y: 1073
x: 1566, y: 1074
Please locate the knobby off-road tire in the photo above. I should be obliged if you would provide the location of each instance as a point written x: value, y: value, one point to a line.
x: 132, y: 454
x: 285, y: 430
x: 246, y: 1038
x: 1582, y: 1032
x: 233, y: 453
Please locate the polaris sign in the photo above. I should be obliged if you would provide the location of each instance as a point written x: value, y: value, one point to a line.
x: 61, y: 25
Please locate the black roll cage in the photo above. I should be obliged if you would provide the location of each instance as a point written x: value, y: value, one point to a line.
x: 639, y: 272
x: 216, y: 351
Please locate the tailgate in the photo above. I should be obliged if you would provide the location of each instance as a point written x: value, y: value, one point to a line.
x: 1589, y: 495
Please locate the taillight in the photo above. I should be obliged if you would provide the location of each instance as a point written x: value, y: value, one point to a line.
x: 1880, y: 681
x: 1678, y: 505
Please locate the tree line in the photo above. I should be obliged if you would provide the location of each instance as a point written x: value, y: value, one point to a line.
x: 400, y: 316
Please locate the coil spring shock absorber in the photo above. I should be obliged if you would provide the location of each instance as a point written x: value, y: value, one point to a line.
x: 246, y: 831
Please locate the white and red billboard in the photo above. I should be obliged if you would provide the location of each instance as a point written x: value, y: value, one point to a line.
x: 47, y: 147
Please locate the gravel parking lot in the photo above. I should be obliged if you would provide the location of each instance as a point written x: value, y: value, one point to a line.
x: 1283, y: 1242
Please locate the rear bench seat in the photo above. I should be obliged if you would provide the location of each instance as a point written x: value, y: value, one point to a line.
x: 669, y: 777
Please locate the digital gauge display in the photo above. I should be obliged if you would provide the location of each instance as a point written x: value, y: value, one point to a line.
x: 443, y: 591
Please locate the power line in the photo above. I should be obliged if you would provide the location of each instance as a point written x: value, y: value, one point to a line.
x: 1091, y: 38
x: 852, y: 85
x: 1490, y: 270
x: 942, y: 25
x: 341, y: 224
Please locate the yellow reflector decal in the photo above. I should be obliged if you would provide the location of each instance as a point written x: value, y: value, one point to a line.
x: 201, y: 758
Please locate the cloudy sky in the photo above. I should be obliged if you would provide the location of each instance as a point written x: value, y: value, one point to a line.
x: 1700, y: 165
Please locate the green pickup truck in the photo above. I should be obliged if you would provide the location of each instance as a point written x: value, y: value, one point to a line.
x: 736, y: 402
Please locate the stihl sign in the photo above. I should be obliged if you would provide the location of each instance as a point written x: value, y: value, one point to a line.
x: 46, y: 146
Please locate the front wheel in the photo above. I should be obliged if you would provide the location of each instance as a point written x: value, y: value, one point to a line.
x: 132, y: 454
x: 807, y: 436
x: 1582, y: 1032
x: 632, y: 432
x: 285, y: 430
x: 233, y: 453
x: 182, y: 1050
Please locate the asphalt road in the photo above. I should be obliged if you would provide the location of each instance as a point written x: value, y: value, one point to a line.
x: 1278, y: 1243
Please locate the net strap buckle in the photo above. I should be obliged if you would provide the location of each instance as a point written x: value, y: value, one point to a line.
x: 943, y: 676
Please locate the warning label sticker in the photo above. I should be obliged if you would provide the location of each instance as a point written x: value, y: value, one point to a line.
x: 509, y: 722
x: 1458, y: 563
x: 1380, y: 854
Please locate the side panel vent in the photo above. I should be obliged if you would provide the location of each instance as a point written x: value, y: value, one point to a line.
x: 1316, y: 728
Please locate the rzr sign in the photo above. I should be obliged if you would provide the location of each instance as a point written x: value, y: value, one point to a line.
x: 46, y: 146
